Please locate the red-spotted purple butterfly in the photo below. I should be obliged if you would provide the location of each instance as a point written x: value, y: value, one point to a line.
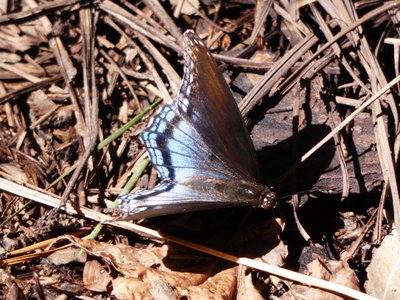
x: 199, y: 146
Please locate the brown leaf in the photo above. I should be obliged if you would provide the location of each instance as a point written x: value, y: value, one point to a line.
x: 131, y: 288
x: 66, y: 256
x: 14, y: 293
x: 189, y: 7
x: 39, y: 104
x: 147, y: 265
x: 277, y: 255
x: 330, y: 270
x: 245, y: 287
x: 220, y: 286
x: 95, y: 277
x: 384, y: 272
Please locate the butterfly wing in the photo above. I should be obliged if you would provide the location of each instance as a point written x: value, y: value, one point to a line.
x: 178, y: 151
x: 199, y: 138
x: 167, y: 199
x: 202, y: 133
x: 206, y: 101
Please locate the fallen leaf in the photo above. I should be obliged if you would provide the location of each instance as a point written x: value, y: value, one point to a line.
x: 131, y: 288
x: 39, y: 104
x: 95, y: 277
x: 245, y: 287
x: 384, y: 270
x: 14, y: 293
x: 330, y: 270
x: 68, y: 255
x: 147, y: 265
x: 220, y: 286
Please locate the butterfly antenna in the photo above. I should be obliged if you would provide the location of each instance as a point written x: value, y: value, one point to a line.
x: 281, y: 197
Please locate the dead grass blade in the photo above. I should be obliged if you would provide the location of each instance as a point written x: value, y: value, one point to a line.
x: 42, y: 9
x: 122, y: 15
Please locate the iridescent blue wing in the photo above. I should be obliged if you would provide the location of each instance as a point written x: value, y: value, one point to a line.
x: 178, y: 151
x: 206, y: 102
x: 167, y: 199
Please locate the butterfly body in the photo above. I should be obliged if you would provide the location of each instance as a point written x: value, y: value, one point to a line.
x: 200, y: 193
x: 199, y: 146
x: 239, y: 191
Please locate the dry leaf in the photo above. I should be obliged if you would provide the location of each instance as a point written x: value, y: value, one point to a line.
x: 131, y: 288
x: 10, y: 39
x: 264, y: 241
x: 6, y: 278
x: 9, y: 57
x: 260, y: 56
x: 135, y: 288
x: 245, y: 287
x: 66, y: 256
x: 384, y: 270
x: 145, y: 267
x: 95, y: 277
x: 14, y: 293
x: 330, y: 270
x: 220, y: 286
x: 277, y: 255
x: 39, y: 104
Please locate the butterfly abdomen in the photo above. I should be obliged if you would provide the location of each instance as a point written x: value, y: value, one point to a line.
x: 242, y: 191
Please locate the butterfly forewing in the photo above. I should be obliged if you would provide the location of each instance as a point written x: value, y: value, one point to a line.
x: 206, y: 101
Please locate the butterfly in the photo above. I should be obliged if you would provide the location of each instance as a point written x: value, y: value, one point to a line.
x: 200, y: 147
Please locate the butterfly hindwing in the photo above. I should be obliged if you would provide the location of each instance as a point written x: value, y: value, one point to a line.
x: 178, y: 151
x: 200, y: 194
x: 162, y: 200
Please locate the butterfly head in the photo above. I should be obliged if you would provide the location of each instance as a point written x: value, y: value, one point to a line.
x: 268, y: 200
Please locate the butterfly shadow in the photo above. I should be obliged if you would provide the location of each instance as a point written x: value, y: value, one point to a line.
x: 242, y: 232
x: 277, y: 162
